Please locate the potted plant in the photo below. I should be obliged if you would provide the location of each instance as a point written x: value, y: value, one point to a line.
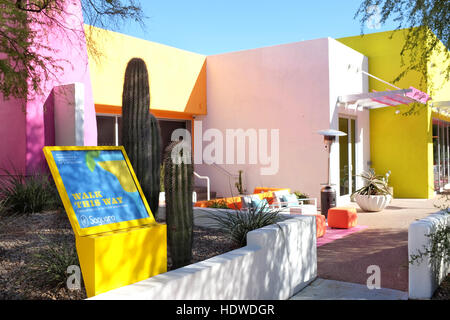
x: 375, y: 195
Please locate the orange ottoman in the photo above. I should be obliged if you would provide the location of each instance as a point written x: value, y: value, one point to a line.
x: 343, y: 218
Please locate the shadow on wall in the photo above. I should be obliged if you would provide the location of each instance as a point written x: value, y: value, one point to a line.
x: 49, y: 120
x: 196, y: 103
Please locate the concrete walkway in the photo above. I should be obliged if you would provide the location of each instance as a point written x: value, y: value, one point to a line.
x: 384, y: 244
x: 322, y: 289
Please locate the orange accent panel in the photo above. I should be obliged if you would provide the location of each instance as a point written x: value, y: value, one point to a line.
x: 102, y: 108
x: 343, y: 218
x: 105, y: 109
x: 171, y: 114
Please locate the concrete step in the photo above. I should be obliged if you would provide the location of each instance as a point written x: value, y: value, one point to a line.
x: 324, y: 289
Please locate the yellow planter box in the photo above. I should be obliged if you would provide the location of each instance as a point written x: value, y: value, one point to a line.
x: 114, y: 259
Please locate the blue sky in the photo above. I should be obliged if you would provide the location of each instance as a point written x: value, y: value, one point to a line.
x: 217, y: 26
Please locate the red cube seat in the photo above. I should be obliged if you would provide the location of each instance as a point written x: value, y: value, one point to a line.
x: 342, y: 217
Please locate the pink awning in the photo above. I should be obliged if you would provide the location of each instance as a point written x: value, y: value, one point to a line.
x: 387, y: 98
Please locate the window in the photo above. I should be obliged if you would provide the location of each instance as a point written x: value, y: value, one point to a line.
x: 109, y: 130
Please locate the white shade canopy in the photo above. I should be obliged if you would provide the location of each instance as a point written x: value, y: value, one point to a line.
x: 331, y: 133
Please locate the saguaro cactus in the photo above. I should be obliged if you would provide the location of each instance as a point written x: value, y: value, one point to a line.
x: 155, y: 164
x: 140, y: 131
x: 178, y: 187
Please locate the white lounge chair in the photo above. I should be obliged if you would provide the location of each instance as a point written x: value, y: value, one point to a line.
x: 296, y: 206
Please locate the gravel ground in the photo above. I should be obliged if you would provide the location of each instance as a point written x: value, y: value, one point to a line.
x: 22, y: 237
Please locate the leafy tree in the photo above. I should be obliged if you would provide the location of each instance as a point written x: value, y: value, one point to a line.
x: 419, y: 17
x: 25, y: 60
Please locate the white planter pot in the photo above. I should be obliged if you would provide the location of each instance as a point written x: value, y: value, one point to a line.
x: 372, y: 203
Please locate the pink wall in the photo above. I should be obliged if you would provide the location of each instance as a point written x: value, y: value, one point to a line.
x: 283, y: 87
x: 12, y: 133
x: 70, y: 48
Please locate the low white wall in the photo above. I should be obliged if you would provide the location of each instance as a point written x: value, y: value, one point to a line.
x: 423, y: 279
x: 278, y: 261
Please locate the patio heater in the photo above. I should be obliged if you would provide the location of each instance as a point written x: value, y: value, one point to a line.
x: 328, y: 193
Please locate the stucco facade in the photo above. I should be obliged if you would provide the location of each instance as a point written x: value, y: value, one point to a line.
x: 279, y: 95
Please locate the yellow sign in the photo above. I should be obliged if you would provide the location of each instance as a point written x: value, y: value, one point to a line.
x: 98, y: 188
x: 117, y: 238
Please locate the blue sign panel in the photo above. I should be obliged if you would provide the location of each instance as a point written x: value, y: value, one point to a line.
x: 100, y: 186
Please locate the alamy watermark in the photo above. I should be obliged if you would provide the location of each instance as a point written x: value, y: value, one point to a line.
x: 234, y: 146
x: 74, y: 280
x: 374, y: 280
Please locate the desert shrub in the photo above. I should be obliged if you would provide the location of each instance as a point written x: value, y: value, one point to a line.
x: 28, y: 194
x: 240, y: 222
x: 49, y: 265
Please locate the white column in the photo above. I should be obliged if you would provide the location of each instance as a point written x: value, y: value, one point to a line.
x: 69, y: 114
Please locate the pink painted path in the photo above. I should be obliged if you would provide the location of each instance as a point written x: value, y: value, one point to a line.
x: 334, y: 234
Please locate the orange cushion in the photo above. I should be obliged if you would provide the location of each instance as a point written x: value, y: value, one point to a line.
x: 341, y: 217
x: 262, y: 189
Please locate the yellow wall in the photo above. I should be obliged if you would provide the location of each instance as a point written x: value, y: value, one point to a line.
x: 177, y: 77
x: 437, y: 84
x: 402, y: 144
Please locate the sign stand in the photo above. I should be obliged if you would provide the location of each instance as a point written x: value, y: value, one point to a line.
x: 119, y: 258
x: 117, y: 238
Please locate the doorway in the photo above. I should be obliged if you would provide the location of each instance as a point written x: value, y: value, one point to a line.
x: 347, y: 156
x: 168, y: 127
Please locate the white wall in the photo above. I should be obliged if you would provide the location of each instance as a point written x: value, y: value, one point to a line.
x: 423, y: 278
x: 345, y: 81
x: 293, y: 88
x: 281, y: 87
x: 69, y: 114
x: 278, y: 261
